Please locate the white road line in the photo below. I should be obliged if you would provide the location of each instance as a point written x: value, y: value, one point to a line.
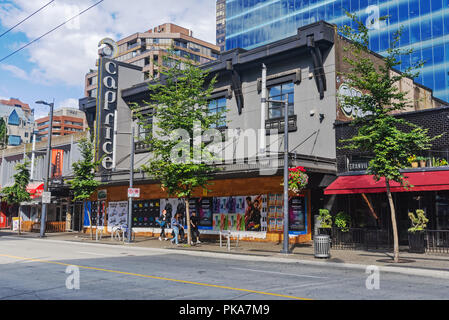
x: 93, y: 253
x: 281, y: 273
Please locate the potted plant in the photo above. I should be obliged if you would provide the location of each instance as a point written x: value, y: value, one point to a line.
x: 325, y: 219
x: 413, y: 161
x: 422, y: 161
x: 343, y: 221
x: 416, y: 231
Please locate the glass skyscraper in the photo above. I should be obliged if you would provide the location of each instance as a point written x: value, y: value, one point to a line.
x: 252, y: 23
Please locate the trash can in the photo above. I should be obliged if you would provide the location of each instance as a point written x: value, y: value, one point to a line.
x: 321, y: 244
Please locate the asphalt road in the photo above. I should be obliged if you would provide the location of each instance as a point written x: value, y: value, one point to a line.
x: 36, y: 269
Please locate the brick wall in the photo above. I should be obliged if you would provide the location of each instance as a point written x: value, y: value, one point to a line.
x: 436, y: 120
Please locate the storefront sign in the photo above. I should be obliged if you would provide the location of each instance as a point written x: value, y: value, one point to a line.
x: 57, y: 157
x: 106, y: 107
x: 102, y: 194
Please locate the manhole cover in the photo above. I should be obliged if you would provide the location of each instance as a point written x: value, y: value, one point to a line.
x: 392, y: 261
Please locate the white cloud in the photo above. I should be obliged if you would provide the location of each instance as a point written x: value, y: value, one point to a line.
x: 16, y: 71
x: 65, y: 55
x: 68, y: 103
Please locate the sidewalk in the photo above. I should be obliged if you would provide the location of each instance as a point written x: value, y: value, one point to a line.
x: 299, y: 252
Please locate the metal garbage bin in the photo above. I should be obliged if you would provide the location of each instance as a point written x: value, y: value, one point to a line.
x: 321, y: 244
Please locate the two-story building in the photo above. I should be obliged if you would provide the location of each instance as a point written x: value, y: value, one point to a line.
x: 303, y: 69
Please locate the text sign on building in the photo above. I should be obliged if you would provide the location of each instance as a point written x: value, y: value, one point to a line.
x: 106, y: 107
x: 133, y: 192
x: 46, y: 197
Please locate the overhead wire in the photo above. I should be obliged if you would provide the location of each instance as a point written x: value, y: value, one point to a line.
x: 18, y: 24
x: 55, y: 28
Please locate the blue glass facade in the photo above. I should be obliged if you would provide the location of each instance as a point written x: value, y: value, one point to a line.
x: 252, y: 23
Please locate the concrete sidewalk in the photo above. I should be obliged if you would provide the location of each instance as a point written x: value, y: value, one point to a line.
x: 299, y: 252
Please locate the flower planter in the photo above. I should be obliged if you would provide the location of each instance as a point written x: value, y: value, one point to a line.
x: 422, y: 163
x: 416, y: 242
x: 414, y: 164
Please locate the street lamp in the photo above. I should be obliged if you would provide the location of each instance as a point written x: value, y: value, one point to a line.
x: 47, y: 169
x: 285, y: 248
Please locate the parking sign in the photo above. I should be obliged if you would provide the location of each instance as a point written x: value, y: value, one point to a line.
x: 133, y: 192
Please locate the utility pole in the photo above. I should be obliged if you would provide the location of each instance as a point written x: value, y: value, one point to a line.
x: 131, y: 182
x: 285, y: 247
x: 47, y: 169
x: 284, y: 102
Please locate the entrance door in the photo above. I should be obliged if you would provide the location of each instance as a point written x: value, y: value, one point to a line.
x: 77, y: 217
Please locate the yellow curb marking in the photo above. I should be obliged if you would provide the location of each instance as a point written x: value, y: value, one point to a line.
x: 155, y: 277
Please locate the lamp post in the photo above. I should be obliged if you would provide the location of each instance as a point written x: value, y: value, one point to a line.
x: 47, y: 169
x: 285, y: 248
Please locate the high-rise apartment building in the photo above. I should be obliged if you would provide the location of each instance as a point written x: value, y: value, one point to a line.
x: 252, y: 23
x: 65, y: 121
x: 147, y: 49
x: 221, y: 24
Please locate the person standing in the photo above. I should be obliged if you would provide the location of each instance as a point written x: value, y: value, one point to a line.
x: 175, y: 226
x: 163, y: 219
x: 194, y: 222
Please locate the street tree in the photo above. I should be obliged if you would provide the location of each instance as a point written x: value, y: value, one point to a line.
x: 18, y: 193
x: 3, y: 134
x: 84, y: 184
x: 390, y: 139
x: 180, y: 104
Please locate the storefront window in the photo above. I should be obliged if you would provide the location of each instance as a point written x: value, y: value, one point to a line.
x: 442, y: 210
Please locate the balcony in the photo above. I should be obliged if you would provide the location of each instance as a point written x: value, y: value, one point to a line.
x: 426, y: 159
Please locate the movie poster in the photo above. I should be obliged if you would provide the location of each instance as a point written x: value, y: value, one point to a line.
x: 173, y: 206
x: 296, y: 214
x: 117, y: 213
x: 203, y: 209
x: 255, y: 210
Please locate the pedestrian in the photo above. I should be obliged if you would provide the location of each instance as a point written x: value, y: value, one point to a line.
x: 162, y: 221
x: 181, y: 227
x: 194, y: 222
x: 175, y: 226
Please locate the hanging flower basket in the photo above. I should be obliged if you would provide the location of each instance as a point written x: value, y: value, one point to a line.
x: 297, y: 179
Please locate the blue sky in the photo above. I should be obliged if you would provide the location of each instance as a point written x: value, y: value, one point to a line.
x: 54, y: 67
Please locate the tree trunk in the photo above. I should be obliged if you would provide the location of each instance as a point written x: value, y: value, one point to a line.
x: 393, y: 222
x: 189, y: 236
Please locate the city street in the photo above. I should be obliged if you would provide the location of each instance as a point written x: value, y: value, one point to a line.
x: 36, y: 269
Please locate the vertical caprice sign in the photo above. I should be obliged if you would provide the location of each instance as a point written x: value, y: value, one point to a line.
x: 106, y: 105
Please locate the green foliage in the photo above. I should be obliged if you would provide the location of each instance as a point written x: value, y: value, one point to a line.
x: 325, y: 219
x: 392, y: 141
x: 343, y: 221
x: 419, y: 222
x: 17, y: 193
x: 3, y: 134
x: 84, y: 183
x: 179, y: 100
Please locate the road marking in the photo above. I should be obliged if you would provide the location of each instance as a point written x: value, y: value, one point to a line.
x: 285, y: 274
x: 157, y: 278
x: 93, y: 253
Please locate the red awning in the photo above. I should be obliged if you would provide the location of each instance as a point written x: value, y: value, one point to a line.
x: 421, y: 181
x: 35, y: 189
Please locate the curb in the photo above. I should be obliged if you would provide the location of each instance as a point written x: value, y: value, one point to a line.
x: 440, y: 274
